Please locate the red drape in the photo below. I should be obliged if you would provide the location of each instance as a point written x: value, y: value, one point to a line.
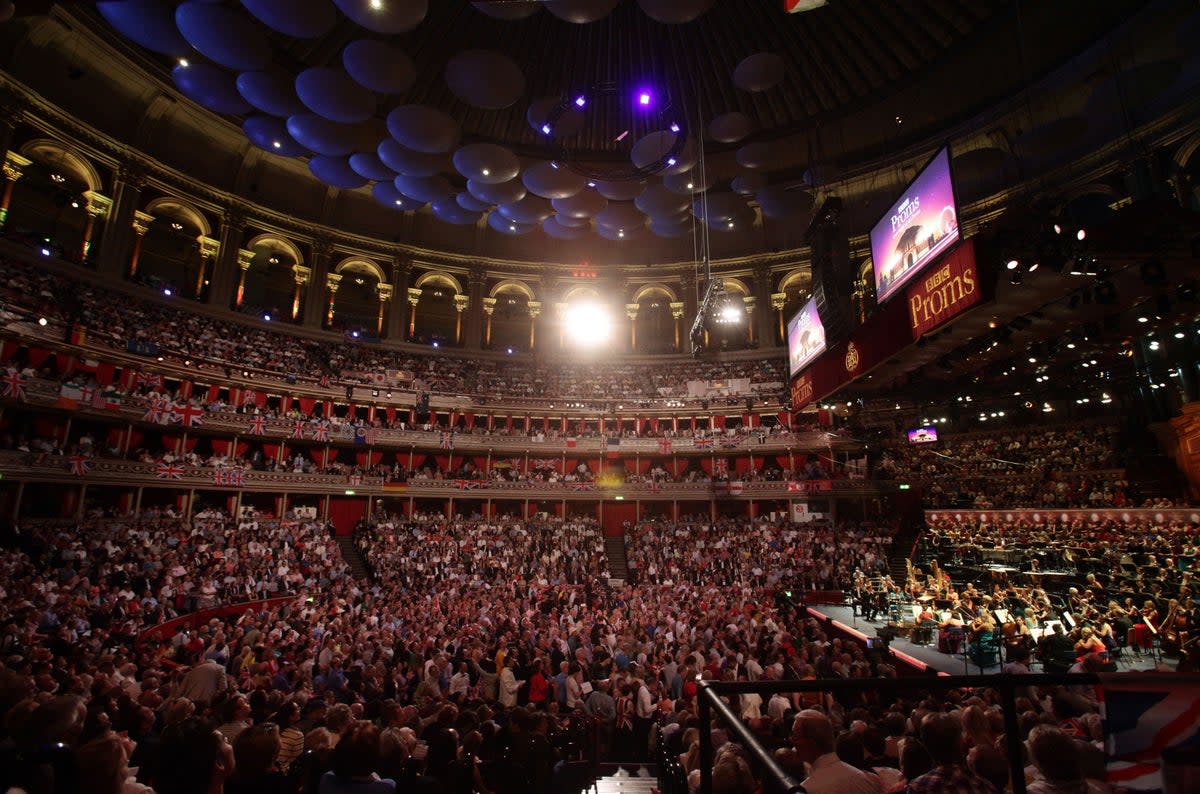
x: 345, y: 512
x: 38, y: 356
x: 8, y: 350
x: 48, y: 427
x: 271, y: 450
x: 718, y: 422
x: 615, y: 516
x: 307, y: 404
x: 115, y: 436
x: 135, y: 438
x: 220, y: 446
x: 189, y: 443
x: 65, y: 363
x: 390, y: 412
x: 241, y: 448
x: 171, y: 441
x: 741, y: 464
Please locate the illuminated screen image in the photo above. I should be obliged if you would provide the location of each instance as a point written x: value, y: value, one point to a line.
x: 922, y: 435
x: 806, y: 337
x: 921, y: 225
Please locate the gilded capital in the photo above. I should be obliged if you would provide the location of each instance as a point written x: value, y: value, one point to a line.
x: 141, y: 222
x: 385, y: 292
x: 778, y: 300
x: 209, y: 248
x: 489, y: 305
x: 14, y: 166
x: 301, y: 275
x: 677, y: 309
x: 461, y: 302
x: 414, y: 296
x: 244, y: 258
x: 97, y: 205
x: 535, y: 308
x: 631, y: 310
x: 333, y: 281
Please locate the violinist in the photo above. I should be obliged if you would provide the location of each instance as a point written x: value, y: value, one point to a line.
x: 1088, y: 642
x: 1145, y: 618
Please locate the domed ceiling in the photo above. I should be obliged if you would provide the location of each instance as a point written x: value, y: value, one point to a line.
x: 576, y: 117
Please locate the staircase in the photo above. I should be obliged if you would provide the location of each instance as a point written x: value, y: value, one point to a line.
x: 898, y: 555
x: 626, y: 779
x: 358, y: 566
x: 618, y: 564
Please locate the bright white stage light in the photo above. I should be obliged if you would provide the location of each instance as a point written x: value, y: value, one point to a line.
x: 588, y: 324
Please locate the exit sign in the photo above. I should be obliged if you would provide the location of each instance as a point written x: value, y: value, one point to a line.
x: 585, y: 274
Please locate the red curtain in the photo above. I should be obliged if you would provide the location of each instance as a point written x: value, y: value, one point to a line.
x: 189, y: 443
x: 241, y: 448
x: 220, y: 446
x: 307, y: 404
x: 707, y: 465
x: 115, y: 436
x: 38, y: 356
x: 271, y: 450
x: 8, y: 350
x: 718, y: 422
x: 345, y: 512
x: 65, y: 363
x: 48, y: 427
x: 135, y: 438
x: 741, y: 465
x: 171, y: 441
x: 390, y: 412
x: 615, y: 516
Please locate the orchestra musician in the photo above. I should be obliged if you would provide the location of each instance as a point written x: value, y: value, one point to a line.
x: 1088, y: 642
x: 1143, y: 620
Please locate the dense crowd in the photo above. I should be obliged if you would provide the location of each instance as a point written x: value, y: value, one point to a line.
x: 116, y: 320
x: 481, y: 654
x: 762, y: 553
x: 1047, y: 467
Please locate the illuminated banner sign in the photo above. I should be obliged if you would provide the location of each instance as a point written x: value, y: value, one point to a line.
x: 1152, y: 515
x: 887, y: 332
x: 809, y: 486
x: 945, y: 292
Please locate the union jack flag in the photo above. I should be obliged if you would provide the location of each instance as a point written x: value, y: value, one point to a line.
x: 14, y: 385
x: 324, y: 382
x: 148, y: 380
x: 320, y: 432
x: 258, y: 426
x: 447, y: 440
x: 79, y: 465
x: 158, y: 411
x: 1143, y: 720
x: 470, y: 485
x: 583, y: 486
x: 187, y: 415
x: 664, y: 446
x: 249, y: 396
x: 229, y: 477
x: 544, y: 463
x: 702, y: 442
x: 298, y: 429
x: 169, y: 471
x: 721, y: 467
x: 354, y: 479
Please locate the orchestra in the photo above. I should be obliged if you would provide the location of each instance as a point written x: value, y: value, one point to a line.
x: 1055, y: 603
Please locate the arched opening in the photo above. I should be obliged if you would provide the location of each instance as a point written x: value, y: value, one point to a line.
x: 270, y: 281
x: 170, y: 256
x: 654, y: 327
x: 435, y: 320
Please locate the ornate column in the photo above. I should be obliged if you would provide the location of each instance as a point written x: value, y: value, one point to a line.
x: 631, y: 311
x: 140, y: 225
x: 315, y: 305
x: 401, y: 271
x: 461, y: 302
x: 96, y: 206
x: 220, y: 287
x: 760, y: 325
x: 414, y: 297
x: 560, y: 310
x: 302, y: 276
x: 14, y: 169
x: 778, y: 301
x: 332, y: 282
x: 677, y: 308
x: 384, y: 292
x: 243, y: 262
x: 489, y: 308
x: 210, y: 249
x: 535, y: 311
x: 115, y: 244
x: 750, y: 302
x: 476, y: 281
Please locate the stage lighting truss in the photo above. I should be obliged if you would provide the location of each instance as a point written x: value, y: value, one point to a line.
x: 652, y: 110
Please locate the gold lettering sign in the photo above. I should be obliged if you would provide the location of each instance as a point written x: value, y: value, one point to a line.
x: 943, y: 294
x: 802, y: 391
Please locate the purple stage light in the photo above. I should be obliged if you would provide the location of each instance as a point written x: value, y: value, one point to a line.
x: 580, y: 101
x: 675, y: 128
x: 644, y: 99
x: 546, y: 129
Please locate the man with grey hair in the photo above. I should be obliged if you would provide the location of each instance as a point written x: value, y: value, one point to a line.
x: 812, y: 736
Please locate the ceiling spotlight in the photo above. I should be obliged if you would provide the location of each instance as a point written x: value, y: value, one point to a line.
x: 45, y: 252
x: 554, y: 165
x: 184, y: 62
x: 1013, y: 264
x: 670, y: 161
x: 580, y: 101
x: 1080, y: 235
x: 1057, y: 229
x: 377, y: 5
x: 644, y: 98
x: 167, y: 291
x: 731, y: 224
x: 1143, y: 319
x: 277, y: 144
x: 1033, y: 267
x: 486, y: 172
x: 512, y: 227
x: 1179, y: 334
x: 674, y: 128
x: 399, y: 202
x: 42, y: 321
x: 690, y: 186
x: 621, y: 233
x: 546, y: 128
x: 591, y: 183
x: 267, y: 317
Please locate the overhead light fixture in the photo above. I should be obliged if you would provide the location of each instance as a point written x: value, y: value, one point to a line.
x: 184, y: 62
x: 486, y: 172
x: 1013, y: 264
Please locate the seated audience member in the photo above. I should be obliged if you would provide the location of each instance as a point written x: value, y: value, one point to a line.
x: 942, y: 736
x: 812, y: 736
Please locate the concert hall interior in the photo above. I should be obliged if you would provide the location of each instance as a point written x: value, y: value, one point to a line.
x: 615, y: 395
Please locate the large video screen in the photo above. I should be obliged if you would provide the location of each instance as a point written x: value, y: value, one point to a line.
x: 923, y: 435
x: 921, y: 225
x: 805, y: 336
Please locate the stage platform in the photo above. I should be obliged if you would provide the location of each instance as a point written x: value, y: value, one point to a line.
x: 928, y: 657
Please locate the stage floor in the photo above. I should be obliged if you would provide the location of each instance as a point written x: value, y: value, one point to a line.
x: 930, y: 657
